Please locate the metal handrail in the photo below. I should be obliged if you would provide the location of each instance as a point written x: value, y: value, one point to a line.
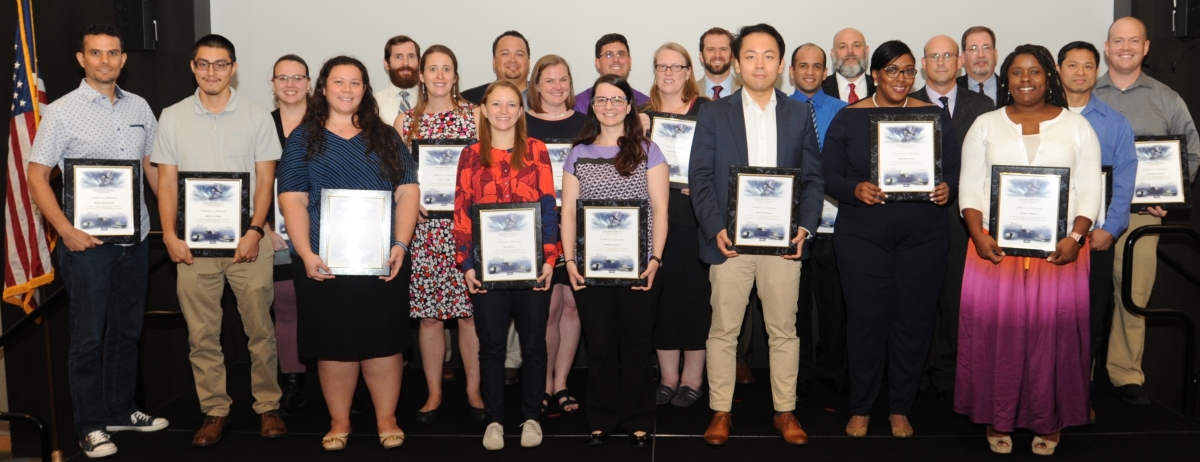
x: 1190, y: 379
x: 45, y: 432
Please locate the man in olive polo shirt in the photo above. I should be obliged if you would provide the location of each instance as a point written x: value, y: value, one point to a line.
x: 214, y: 131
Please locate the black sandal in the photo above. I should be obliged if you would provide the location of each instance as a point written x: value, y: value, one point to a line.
x: 564, y: 399
x: 545, y: 402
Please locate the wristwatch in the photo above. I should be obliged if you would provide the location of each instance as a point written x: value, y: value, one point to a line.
x: 261, y: 233
x: 1079, y: 238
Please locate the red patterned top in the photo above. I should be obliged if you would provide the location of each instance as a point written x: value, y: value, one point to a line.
x: 499, y: 184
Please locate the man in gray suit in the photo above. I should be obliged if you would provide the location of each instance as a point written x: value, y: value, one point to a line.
x: 715, y: 51
x: 758, y: 126
x: 941, y: 61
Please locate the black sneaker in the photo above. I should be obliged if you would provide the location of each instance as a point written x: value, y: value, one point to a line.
x: 139, y: 422
x: 1133, y: 394
x: 96, y: 444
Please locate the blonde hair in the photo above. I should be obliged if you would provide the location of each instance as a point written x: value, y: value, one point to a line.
x: 690, y: 89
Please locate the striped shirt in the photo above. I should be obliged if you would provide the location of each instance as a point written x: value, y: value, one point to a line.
x: 342, y: 165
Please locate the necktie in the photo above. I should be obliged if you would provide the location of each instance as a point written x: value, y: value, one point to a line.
x: 717, y: 91
x: 404, y: 106
x: 852, y: 97
x: 945, y: 105
x: 812, y: 114
x: 981, y: 88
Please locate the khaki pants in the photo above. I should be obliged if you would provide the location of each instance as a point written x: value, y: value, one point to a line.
x: 778, y: 288
x: 1126, y: 341
x: 200, y: 287
x: 512, y: 353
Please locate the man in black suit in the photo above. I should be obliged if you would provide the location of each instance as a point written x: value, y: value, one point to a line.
x: 510, y: 61
x: 979, y: 61
x: 941, y: 61
x: 851, y: 81
x: 758, y: 126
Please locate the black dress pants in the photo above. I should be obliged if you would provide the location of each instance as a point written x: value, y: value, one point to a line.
x: 821, y: 290
x: 528, y: 309
x: 618, y: 324
x: 1101, y: 287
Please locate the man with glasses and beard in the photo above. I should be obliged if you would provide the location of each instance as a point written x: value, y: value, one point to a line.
x: 851, y: 81
x: 979, y: 61
x: 401, y: 56
x: 719, y: 79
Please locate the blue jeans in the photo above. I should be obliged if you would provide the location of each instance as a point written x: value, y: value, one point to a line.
x: 107, y: 288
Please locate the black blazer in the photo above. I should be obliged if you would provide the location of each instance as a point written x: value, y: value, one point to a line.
x: 966, y: 82
x: 720, y: 141
x: 968, y: 105
x: 830, y: 87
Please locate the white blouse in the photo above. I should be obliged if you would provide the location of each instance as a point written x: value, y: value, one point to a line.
x: 1065, y: 141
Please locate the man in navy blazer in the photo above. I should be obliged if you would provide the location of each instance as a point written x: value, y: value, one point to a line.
x: 759, y: 126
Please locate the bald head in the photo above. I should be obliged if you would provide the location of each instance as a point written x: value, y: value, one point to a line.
x: 1128, y: 26
x: 939, y: 43
x: 942, y: 68
x: 850, y: 52
x: 1126, y: 47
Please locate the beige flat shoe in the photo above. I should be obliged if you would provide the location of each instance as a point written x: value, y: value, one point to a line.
x: 857, y: 427
x: 900, y: 426
x: 1043, y: 447
x: 391, y: 440
x: 335, y: 442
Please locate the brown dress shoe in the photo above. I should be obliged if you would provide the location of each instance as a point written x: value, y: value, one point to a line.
x: 786, y: 425
x: 718, y: 431
x: 272, y: 425
x: 210, y: 433
x: 744, y: 376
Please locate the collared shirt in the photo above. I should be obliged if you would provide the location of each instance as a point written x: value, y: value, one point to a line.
x: 84, y: 124
x: 989, y: 86
x: 389, y: 102
x: 860, y: 86
x: 761, y: 131
x: 233, y: 140
x: 935, y: 97
x: 1116, y: 149
x: 826, y: 107
x: 1154, y: 109
x: 726, y: 86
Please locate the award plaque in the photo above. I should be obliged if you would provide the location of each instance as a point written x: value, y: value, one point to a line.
x: 673, y: 133
x: 1106, y: 185
x: 356, y: 231
x: 1029, y: 208
x: 829, y: 210
x: 764, y: 209
x: 214, y: 211
x: 508, y: 245
x: 437, y: 171
x: 102, y: 197
x: 1162, y: 173
x: 906, y: 155
x: 559, y: 149
x: 611, y: 241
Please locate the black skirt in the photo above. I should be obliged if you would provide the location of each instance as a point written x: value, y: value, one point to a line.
x: 351, y: 318
x: 684, y: 309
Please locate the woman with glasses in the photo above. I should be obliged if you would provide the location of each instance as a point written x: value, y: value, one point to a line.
x: 684, y: 312
x: 289, y: 85
x: 438, y: 291
x: 894, y: 251
x: 613, y: 159
x: 1023, y: 335
x: 550, y: 116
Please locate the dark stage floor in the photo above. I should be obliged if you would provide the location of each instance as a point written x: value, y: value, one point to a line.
x: 1152, y: 433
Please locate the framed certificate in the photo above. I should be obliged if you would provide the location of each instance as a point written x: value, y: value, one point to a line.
x: 437, y: 169
x: 356, y: 231
x: 906, y: 155
x: 673, y: 133
x: 1162, y: 173
x: 280, y: 226
x: 1106, y: 181
x: 214, y: 211
x: 764, y: 209
x: 829, y: 210
x: 611, y: 241
x: 559, y: 149
x: 102, y: 197
x: 508, y: 245
x: 1029, y: 209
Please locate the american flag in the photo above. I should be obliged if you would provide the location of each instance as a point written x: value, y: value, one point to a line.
x: 27, y: 246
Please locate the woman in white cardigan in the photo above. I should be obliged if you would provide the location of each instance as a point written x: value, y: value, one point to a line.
x: 1023, y: 351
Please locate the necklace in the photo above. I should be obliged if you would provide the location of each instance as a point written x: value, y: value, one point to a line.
x: 342, y: 129
x: 548, y: 116
x: 876, y: 103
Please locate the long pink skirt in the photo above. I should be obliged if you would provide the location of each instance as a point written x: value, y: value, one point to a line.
x: 1023, y: 343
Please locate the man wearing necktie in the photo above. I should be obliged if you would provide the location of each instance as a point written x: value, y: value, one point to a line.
x: 401, y: 57
x: 715, y: 54
x: 941, y: 60
x: 979, y: 62
x: 851, y: 80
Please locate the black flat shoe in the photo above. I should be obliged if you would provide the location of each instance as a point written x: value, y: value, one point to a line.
x: 1133, y: 394
x: 427, y: 417
x: 640, y: 442
x: 597, y: 438
x: 478, y: 413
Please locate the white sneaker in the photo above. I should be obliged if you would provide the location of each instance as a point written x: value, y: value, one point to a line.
x: 140, y: 422
x: 531, y: 434
x: 493, y: 437
x: 96, y: 444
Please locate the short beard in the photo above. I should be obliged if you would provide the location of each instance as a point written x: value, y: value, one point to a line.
x: 718, y: 71
x: 849, y: 71
x: 402, y: 81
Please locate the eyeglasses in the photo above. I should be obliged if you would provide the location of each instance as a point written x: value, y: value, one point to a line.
x: 893, y: 71
x: 976, y: 49
x: 220, y: 66
x: 619, y: 54
x: 946, y: 56
x: 676, y: 68
x: 284, y: 79
x: 617, y: 101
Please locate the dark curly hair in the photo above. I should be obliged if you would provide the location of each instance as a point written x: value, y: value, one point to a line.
x: 383, y: 143
x: 632, y: 152
x: 1055, y: 94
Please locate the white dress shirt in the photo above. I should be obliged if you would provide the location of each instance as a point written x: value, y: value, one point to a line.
x: 389, y: 101
x: 760, y: 131
x: 860, y: 86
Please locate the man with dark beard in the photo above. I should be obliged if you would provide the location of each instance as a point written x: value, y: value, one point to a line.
x: 851, y: 81
x: 401, y: 56
x: 718, y: 80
